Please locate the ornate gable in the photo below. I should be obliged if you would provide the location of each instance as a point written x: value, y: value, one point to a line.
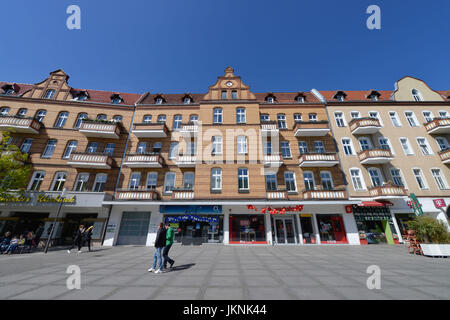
x: 229, y: 87
x: 55, y: 87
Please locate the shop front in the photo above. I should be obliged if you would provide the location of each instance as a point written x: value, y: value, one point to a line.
x: 285, y: 230
x: 331, y: 229
x: 247, y: 229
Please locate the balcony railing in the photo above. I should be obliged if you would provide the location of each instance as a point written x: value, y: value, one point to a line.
x: 189, y: 128
x: 338, y: 193
x: 182, y: 194
x: 277, y: 195
x: 311, y: 129
x: 438, y: 126
x: 445, y: 156
x: 273, y: 160
x: 364, y: 125
x: 318, y: 159
x: 387, y: 191
x: 109, y: 130
x: 269, y: 128
x: 20, y: 124
x: 375, y: 156
x: 138, y: 160
x: 150, y: 130
x: 90, y: 160
x: 137, y: 194
x: 186, y: 161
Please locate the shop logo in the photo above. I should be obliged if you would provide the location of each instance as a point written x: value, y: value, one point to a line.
x: 373, y: 281
x: 74, y: 280
x: 439, y: 203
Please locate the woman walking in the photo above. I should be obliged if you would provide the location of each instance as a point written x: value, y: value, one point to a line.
x: 78, y: 240
x: 160, y: 243
x: 88, y: 237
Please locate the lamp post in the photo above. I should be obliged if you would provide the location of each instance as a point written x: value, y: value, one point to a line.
x: 63, y: 193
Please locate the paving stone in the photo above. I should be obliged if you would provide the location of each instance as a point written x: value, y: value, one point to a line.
x: 42, y: 293
x: 224, y: 294
x: 87, y: 293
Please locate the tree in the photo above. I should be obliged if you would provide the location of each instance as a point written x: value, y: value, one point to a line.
x: 14, y: 172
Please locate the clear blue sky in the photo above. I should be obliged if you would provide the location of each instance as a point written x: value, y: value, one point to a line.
x: 176, y: 46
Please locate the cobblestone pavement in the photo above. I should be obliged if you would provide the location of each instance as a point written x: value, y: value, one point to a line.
x: 227, y: 273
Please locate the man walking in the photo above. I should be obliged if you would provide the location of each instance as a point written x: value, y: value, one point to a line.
x: 160, y: 243
x: 169, y: 241
x: 88, y: 237
x: 78, y: 240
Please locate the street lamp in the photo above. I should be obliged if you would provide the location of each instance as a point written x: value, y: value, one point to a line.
x: 63, y: 193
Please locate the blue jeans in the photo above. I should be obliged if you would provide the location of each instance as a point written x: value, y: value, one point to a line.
x: 158, y: 256
x: 11, y: 248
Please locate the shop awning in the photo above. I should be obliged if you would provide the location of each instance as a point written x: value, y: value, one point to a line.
x: 375, y: 204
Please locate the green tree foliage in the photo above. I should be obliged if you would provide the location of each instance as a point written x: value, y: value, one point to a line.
x: 428, y: 229
x: 14, y: 173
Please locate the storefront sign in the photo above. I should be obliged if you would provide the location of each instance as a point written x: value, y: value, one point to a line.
x: 178, y: 209
x: 48, y: 199
x: 280, y: 210
x: 6, y: 198
x: 34, y: 198
x: 348, y: 209
x: 191, y: 217
x: 439, y: 203
x: 111, y: 228
x: 416, y: 205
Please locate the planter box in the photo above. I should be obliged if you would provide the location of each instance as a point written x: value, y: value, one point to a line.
x: 436, y: 250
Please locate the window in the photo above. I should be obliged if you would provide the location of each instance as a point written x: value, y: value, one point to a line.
x: 442, y: 143
x: 82, y: 96
x: 40, y: 115
x: 217, y: 115
x: 264, y: 117
x: 169, y: 182
x: 173, y: 150
x: 4, y: 111
x: 318, y: 146
x: 397, y: 177
x: 241, y: 145
x: 267, y: 148
x: 289, y: 180
x: 384, y: 143
x: 116, y: 99
x: 355, y: 115
x: 134, y: 181
x: 26, y: 145
x: 357, y: 180
x: 22, y: 112
x: 443, y: 114
x: 375, y: 115
x: 148, y: 119
x: 109, y: 149
x: 216, y: 145
x: 100, y: 182
x: 191, y: 148
x: 308, y: 178
x: 49, y: 94
x: 71, y: 147
x: 224, y: 94
x: 327, y: 181
x: 340, y: 97
x: 240, y: 115
x: 347, y: 145
x: 81, y: 182
x: 416, y: 95
x: 159, y: 100
x: 440, y: 181
x: 297, y: 117
x: 271, y: 182
x: 157, y: 147
x: 49, y: 149
x: 285, y: 149
x: 80, y: 119
x: 394, y: 118
x: 162, y: 118
x: 152, y: 180
x: 8, y: 91
x: 270, y: 100
x: 373, y: 97
x: 102, y: 117
x: 58, y: 181
x: 62, y: 118
x: 365, y: 144
x: 176, y: 122
x: 424, y: 146
x: 216, y: 179
x: 375, y: 176
x: 339, y: 117
x: 243, y: 179
x: 281, y: 119
x: 411, y: 118
x: 312, y: 117
x: 406, y: 146
x: 118, y: 118
x: 92, y: 147
x: 188, y: 181
x: 302, y: 147
x: 300, y: 99
x: 193, y: 118
x: 141, y: 148
x: 36, y: 181
x: 419, y: 178
x: 234, y: 94
x: 187, y: 100
x: 428, y: 116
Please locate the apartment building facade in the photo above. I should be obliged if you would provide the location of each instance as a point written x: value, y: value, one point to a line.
x: 226, y: 166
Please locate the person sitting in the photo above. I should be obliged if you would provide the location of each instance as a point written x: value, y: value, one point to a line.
x: 5, y: 241
x: 14, y: 243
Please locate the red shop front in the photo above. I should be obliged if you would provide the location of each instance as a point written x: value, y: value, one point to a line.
x: 247, y: 229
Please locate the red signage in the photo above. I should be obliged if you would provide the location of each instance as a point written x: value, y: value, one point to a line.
x: 348, y: 209
x: 439, y: 203
x: 281, y: 210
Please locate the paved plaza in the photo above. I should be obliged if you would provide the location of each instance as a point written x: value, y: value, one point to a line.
x: 227, y: 273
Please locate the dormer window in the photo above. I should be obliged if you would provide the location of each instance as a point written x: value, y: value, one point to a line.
x: 82, y: 96
x: 374, y: 95
x: 340, y: 96
x: 234, y: 94
x: 270, y: 99
x: 49, y: 94
x: 224, y: 94
x: 187, y: 100
x: 300, y: 98
x: 416, y: 95
x: 116, y: 99
x: 8, y: 89
x: 159, y: 99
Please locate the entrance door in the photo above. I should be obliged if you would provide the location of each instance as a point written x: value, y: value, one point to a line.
x: 134, y: 228
x: 338, y: 229
x: 285, y: 231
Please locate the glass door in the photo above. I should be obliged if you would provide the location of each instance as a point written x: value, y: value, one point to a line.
x: 285, y: 231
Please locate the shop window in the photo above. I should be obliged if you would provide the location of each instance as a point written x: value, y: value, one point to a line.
x: 331, y: 228
x: 247, y: 229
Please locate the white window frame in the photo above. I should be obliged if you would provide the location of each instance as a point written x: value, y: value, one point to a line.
x: 147, y: 118
x: 47, y: 148
x: 217, y: 115
x: 388, y: 143
x: 369, y: 143
x: 271, y: 181
x: 445, y: 142
x: 350, y: 145
x: 427, y: 145
x: 72, y: 144
x: 216, y: 179
x: 173, y: 150
x: 341, y: 118
x: 84, y: 182
x: 244, y: 177
x: 241, y: 144
x: 62, y: 119
x: 286, y: 148
x: 40, y: 180
x: 305, y: 173
x: 376, y: 117
x: 357, y: 117
x: 151, y: 177
x: 60, y: 177
x: 80, y: 119
x: 99, y: 179
x: 422, y: 177
x: 135, y: 180
x: 188, y: 178
x: 290, y: 180
x: 302, y: 145
x: 329, y: 179
x: 394, y: 114
x: 416, y: 96
x: 441, y: 177
x: 216, y: 145
x: 27, y: 142
x: 241, y: 115
x: 177, y: 119
x: 379, y: 174
x: 414, y: 118
x: 281, y: 121
x: 400, y: 174
x: 425, y: 118
x: 322, y: 146
x: 360, y: 177
x: 169, y: 181
x: 297, y: 117
x: 408, y: 144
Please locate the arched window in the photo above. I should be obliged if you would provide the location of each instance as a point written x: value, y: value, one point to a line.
x: 71, y: 147
x: 22, y: 112
x: 162, y: 118
x: 80, y: 119
x: 81, y: 182
x: 59, y: 181
x: 416, y: 95
x: 118, y: 118
x: 62, y: 118
x: 147, y: 118
x: 40, y: 115
x: 102, y: 117
x: 100, y: 182
x: 193, y: 118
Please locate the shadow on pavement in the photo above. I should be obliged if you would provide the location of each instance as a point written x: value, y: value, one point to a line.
x: 182, y: 267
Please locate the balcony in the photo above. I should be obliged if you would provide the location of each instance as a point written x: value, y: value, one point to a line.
x: 375, y: 156
x: 338, y: 193
x: 97, y: 129
x: 445, y: 156
x: 273, y: 160
x: 269, y: 128
x: 438, y: 126
x: 20, y: 124
x: 150, y: 130
x: 311, y: 129
x: 318, y: 160
x: 137, y: 194
x: 143, y: 160
x: 186, y: 161
x: 190, y: 129
x: 364, y: 125
x: 276, y: 195
x: 90, y: 160
x: 183, y: 194
x: 387, y: 191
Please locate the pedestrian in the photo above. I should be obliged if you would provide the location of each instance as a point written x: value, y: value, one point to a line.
x: 169, y: 242
x: 87, y: 237
x: 160, y: 243
x: 78, y: 240
x: 38, y: 235
x: 5, y: 241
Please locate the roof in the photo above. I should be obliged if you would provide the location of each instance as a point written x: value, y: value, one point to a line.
x: 105, y: 96
x: 352, y: 95
x: 21, y: 87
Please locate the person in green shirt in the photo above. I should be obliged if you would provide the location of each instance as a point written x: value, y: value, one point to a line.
x: 169, y: 241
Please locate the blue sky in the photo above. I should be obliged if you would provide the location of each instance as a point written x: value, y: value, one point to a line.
x: 177, y: 46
